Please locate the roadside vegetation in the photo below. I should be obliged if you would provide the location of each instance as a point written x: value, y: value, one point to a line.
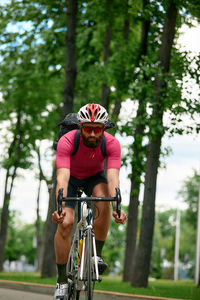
x: 160, y: 288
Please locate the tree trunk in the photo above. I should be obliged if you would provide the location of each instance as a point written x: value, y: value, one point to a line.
x: 137, y: 164
x: 105, y: 92
x: 137, y: 170
x: 38, y: 230
x: 143, y: 255
x: 40, y: 241
x: 4, y: 223
x: 49, y: 262
x: 144, y: 33
x: 5, y: 214
x: 121, y: 81
x: 131, y: 236
x: 14, y: 153
x: 70, y: 70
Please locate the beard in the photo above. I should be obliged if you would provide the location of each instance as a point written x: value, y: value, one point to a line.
x: 92, y: 143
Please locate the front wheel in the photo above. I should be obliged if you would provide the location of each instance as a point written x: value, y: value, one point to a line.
x: 72, y: 272
x: 73, y: 294
x: 88, y: 267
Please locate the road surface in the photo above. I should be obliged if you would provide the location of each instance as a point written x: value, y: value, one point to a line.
x: 9, y: 294
x: 6, y: 294
x: 24, y: 291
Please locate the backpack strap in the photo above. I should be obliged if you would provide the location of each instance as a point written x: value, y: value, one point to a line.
x: 77, y: 142
x: 103, y: 146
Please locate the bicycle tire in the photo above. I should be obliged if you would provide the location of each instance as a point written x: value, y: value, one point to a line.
x: 89, y: 283
x: 72, y: 273
x: 73, y: 294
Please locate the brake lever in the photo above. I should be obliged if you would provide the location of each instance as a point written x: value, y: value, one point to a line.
x: 118, y: 200
x: 59, y: 199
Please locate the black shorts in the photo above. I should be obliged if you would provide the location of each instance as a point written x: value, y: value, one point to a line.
x: 86, y: 184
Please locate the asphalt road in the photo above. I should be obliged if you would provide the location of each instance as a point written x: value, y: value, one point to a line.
x: 10, y: 294
x: 6, y: 294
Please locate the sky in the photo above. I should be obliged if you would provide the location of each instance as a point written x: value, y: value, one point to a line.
x: 185, y: 157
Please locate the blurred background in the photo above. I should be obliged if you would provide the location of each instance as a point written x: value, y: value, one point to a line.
x: 140, y: 60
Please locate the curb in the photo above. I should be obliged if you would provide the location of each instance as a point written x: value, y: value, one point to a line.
x: 48, y: 289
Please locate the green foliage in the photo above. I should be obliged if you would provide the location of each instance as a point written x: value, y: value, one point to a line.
x: 190, y: 195
x: 20, y: 240
x: 33, y: 60
x: 164, y: 242
x: 32, y: 78
x: 12, y: 250
x: 93, y: 68
x: 113, y: 251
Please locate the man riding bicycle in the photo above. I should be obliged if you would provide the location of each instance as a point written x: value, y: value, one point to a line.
x: 85, y: 170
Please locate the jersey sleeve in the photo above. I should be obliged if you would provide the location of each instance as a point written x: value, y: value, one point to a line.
x: 64, y: 150
x: 113, y: 150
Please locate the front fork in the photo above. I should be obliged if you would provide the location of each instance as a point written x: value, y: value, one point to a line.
x: 93, y: 250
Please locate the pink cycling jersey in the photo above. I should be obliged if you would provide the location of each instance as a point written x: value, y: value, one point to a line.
x: 87, y: 161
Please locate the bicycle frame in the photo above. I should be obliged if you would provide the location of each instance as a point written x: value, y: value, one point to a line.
x: 77, y: 266
x: 89, y: 226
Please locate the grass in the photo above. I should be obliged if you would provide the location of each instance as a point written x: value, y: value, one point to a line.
x: 160, y: 288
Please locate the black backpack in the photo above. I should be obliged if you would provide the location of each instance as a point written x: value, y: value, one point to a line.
x: 71, y: 122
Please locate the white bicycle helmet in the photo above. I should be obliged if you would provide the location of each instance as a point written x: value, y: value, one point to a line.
x: 93, y: 113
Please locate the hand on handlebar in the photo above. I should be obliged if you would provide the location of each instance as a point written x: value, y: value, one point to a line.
x: 56, y: 218
x: 122, y: 219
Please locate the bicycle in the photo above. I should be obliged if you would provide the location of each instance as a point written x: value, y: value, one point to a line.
x: 82, y: 267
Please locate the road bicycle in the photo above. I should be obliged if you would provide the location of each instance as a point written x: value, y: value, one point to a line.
x: 82, y: 266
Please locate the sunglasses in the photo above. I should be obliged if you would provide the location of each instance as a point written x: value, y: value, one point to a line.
x: 89, y: 129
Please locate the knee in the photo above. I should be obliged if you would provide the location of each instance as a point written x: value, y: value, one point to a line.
x: 103, y: 209
x: 65, y: 228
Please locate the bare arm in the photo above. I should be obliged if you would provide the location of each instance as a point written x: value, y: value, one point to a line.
x: 113, y: 182
x: 63, y: 176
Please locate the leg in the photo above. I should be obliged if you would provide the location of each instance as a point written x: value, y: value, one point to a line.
x: 102, y: 221
x: 62, y: 237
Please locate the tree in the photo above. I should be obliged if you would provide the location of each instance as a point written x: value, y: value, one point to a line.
x: 20, y: 116
x: 138, y: 150
x: 48, y: 265
x: 143, y: 255
x: 70, y: 69
x: 27, y: 92
x: 14, y: 161
x: 39, y: 236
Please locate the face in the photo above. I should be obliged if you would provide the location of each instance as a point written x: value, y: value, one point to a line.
x: 92, y: 134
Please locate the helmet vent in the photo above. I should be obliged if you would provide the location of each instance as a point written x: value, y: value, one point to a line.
x: 82, y: 114
x: 103, y: 114
x: 87, y: 115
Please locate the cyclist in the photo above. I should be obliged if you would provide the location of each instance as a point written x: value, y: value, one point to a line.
x: 85, y: 169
